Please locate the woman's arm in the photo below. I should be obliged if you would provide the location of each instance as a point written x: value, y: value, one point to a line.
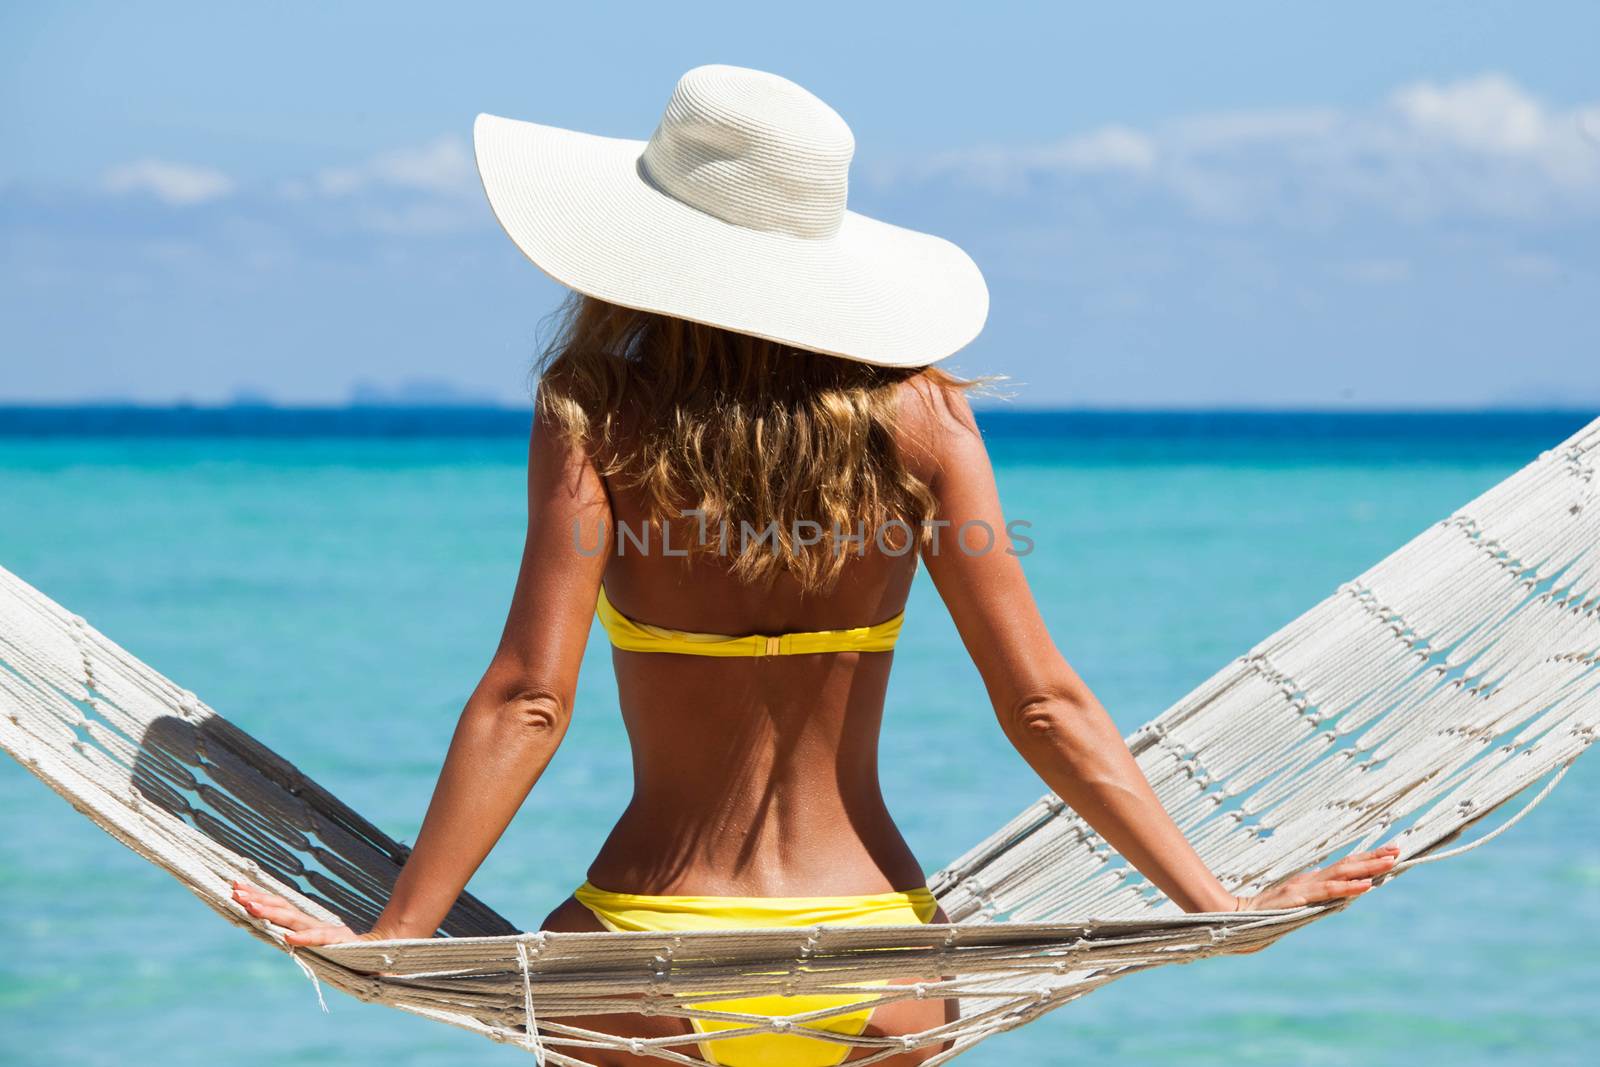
x: 516, y: 716
x: 1047, y: 712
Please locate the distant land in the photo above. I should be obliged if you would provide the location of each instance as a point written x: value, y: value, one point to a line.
x: 1002, y: 393
x: 390, y: 416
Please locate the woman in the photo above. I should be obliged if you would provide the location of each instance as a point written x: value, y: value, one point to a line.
x: 740, y: 452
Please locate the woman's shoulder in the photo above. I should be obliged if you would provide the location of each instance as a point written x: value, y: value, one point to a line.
x: 933, y: 415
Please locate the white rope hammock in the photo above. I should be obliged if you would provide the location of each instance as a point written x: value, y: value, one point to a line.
x: 1405, y: 707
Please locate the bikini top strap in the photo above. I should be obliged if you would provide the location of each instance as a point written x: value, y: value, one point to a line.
x: 633, y: 636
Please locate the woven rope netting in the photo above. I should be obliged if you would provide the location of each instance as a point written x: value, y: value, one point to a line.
x: 1407, y: 706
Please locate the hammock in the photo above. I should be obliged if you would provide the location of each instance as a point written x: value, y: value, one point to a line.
x: 1405, y: 707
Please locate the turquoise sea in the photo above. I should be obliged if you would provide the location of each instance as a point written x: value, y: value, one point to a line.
x: 335, y: 581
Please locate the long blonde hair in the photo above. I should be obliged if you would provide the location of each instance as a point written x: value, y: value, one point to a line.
x: 738, y: 430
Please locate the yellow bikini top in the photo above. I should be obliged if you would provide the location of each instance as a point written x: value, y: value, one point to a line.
x: 634, y: 636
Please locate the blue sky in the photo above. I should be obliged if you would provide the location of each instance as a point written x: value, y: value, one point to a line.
x: 1174, y: 204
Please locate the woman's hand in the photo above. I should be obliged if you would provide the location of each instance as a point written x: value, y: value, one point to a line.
x: 1350, y: 877
x: 303, y: 929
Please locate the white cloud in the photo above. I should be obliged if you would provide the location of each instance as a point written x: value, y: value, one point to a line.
x: 430, y: 188
x: 177, y: 184
x: 1488, y: 114
x: 1007, y: 169
x: 1483, y: 146
x: 1108, y: 148
x: 442, y: 167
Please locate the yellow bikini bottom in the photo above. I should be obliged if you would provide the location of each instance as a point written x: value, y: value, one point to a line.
x: 629, y: 911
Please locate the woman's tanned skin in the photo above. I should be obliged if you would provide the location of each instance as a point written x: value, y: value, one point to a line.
x: 758, y: 776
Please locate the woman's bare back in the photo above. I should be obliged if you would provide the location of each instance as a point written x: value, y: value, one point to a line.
x: 752, y: 776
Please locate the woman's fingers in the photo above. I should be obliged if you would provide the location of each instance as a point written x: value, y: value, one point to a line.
x: 271, y: 907
x: 264, y: 907
x: 1364, y: 865
x: 303, y: 929
x: 1350, y: 877
x: 1387, y: 852
x: 1391, y: 851
x: 321, y: 934
x: 1338, y: 888
x: 1355, y: 867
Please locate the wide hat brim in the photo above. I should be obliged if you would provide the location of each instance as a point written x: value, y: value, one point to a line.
x: 581, y: 208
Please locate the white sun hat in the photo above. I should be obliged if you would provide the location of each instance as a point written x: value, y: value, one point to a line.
x: 732, y: 214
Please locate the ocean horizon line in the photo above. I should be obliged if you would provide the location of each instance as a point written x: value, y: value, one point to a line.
x: 979, y: 405
x: 358, y: 420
